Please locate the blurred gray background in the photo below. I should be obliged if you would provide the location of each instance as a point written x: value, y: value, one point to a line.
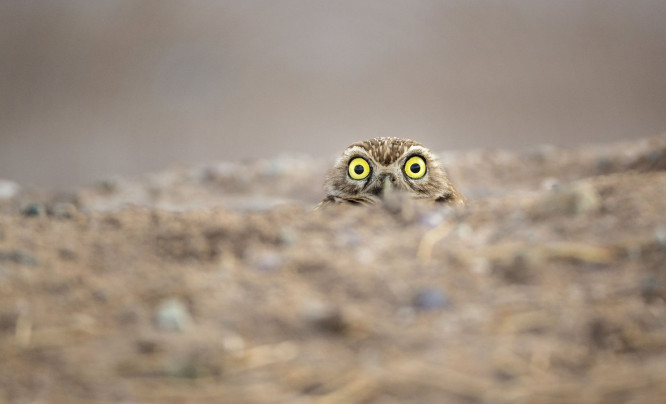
x: 93, y: 89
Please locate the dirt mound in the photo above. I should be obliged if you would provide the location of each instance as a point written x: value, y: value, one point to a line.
x: 220, y: 284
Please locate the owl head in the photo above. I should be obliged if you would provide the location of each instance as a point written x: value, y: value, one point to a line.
x: 367, y: 171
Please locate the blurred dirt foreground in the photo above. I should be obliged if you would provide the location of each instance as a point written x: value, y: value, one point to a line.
x: 219, y: 284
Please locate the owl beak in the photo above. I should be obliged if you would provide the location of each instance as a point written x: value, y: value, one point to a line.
x: 390, y: 194
x: 387, y: 186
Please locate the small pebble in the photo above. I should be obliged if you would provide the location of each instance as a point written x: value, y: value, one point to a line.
x: 604, y: 165
x: 650, y: 289
x: 660, y: 236
x: 187, y: 368
x: 432, y: 219
x: 8, y: 189
x: 550, y: 184
x: 431, y: 298
x: 324, y: 317
x: 267, y: 261
x: 288, y: 236
x: 63, y: 210
x: 654, y: 158
x: 147, y: 346
x: 173, y: 315
x: 33, y: 209
x: 516, y: 270
x: 18, y: 257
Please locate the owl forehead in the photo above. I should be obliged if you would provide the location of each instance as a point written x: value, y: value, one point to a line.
x: 385, y: 150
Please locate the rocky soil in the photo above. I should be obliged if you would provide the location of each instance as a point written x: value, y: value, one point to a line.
x: 219, y: 283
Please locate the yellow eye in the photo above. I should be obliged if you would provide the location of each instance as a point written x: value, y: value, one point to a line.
x: 415, y: 167
x: 359, y: 168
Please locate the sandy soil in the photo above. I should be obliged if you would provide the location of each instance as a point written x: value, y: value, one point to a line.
x: 220, y: 284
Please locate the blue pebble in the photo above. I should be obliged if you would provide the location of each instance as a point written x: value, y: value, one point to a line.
x: 431, y: 298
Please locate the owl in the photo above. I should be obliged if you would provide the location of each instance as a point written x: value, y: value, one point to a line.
x: 367, y: 172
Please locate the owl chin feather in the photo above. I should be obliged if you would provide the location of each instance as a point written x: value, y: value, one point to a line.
x: 387, y: 175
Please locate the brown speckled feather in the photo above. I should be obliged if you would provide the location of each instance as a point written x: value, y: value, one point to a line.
x: 386, y: 150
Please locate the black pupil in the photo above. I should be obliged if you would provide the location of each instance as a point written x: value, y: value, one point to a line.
x: 359, y: 169
x: 415, y: 168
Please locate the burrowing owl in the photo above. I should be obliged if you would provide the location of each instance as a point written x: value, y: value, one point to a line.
x: 367, y: 171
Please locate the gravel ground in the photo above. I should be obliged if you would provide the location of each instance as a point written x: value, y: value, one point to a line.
x: 219, y: 283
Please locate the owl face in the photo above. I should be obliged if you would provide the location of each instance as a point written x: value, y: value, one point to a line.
x: 368, y: 170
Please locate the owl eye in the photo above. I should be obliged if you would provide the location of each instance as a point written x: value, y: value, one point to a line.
x: 415, y: 167
x: 359, y: 168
